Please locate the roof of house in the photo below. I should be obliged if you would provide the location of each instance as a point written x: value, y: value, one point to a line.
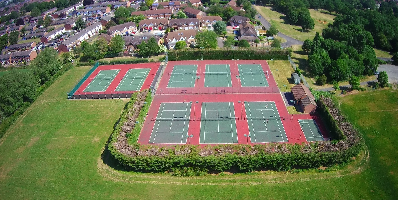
x: 21, y: 54
x: 195, y: 1
x: 56, y: 31
x: 121, y: 27
x: 307, y: 100
x: 192, y: 11
x: 178, y: 34
x: 210, y: 18
x: 73, y: 38
x: 247, y: 29
x: 154, y: 22
x: 5, y: 57
x: 136, y: 40
x: 300, y: 91
x: 180, y: 22
x: 171, y: 3
x: 238, y: 19
x: 40, y: 34
x: 19, y: 46
x: 105, y: 36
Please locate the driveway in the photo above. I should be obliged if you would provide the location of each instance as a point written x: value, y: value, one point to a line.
x: 289, y: 40
x: 220, y: 42
x: 392, y: 72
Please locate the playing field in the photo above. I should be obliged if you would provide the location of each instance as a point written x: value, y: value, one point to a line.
x: 218, y: 123
x: 171, y: 124
x: 183, y: 76
x: 102, y: 81
x: 252, y: 75
x: 264, y: 122
x: 133, y: 80
x: 218, y: 76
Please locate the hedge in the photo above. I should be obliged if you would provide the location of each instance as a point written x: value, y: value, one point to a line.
x: 228, y: 54
x: 243, y: 158
x: 121, y: 61
x: 334, y: 131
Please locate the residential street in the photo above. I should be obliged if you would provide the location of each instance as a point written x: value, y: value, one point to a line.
x: 289, y: 41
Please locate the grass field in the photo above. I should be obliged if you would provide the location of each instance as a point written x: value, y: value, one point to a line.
x: 321, y: 20
x: 29, y: 40
x: 381, y: 53
x: 281, y: 70
x: 54, y: 152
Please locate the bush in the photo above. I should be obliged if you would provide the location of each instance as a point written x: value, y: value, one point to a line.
x: 276, y: 43
x: 322, y: 80
x: 383, y: 79
x: 123, y: 61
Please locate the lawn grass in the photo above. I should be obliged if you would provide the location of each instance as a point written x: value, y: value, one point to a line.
x: 382, y: 54
x: 321, y: 20
x: 54, y: 152
x: 29, y: 40
x: 282, y: 70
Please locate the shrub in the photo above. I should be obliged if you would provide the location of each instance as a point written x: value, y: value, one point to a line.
x: 383, y: 79
x: 321, y: 80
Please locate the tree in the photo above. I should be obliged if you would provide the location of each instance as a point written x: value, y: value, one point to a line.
x: 40, y: 22
x: 395, y: 58
x: 354, y: 82
x: 239, y: 2
x: 276, y: 43
x: 149, y: 3
x: 180, y: 45
x: 318, y: 61
x: 110, y: 24
x: 219, y: 27
x: 13, y: 39
x: 229, y: 41
x: 143, y: 7
x: 322, y: 80
x: 102, y: 47
x: 35, y: 12
x: 307, y: 45
x: 256, y: 41
x: 20, y: 22
x: 116, y: 45
x: 22, y: 32
x: 80, y: 24
x: 305, y: 20
x: 206, y: 39
x: 87, y: 2
x: 227, y: 13
x: 148, y: 48
x: 383, y: 79
x: 243, y: 43
x: 46, y: 65
x: 47, y: 21
x: 181, y: 15
x: 272, y: 31
x: 160, y: 6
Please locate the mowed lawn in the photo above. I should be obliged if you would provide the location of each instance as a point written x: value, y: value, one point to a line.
x: 54, y: 152
x: 321, y: 20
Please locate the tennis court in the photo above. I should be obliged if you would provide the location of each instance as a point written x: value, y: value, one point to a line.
x: 171, y: 123
x: 252, y: 75
x: 218, y: 76
x: 133, y: 80
x: 102, y: 81
x: 217, y: 124
x: 264, y: 122
x: 310, y: 130
x: 183, y: 76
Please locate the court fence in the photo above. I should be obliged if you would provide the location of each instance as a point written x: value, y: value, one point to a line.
x: 101, y: 96
x: 158, y: 76
x: 80, y: 83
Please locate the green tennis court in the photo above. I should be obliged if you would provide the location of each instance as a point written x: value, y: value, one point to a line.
x: 264, y: 122
x: 217, y: 124
x: 133, y: 80
x: 102, y: 81
x: 171, y: 125
x: 218, y: 76
x: 311, y: 130
x: 183, y: 76
x: 252, y: 75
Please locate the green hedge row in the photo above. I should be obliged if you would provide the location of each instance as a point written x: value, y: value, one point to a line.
x: 116, y: 62
x: 273, y: 156
x: 335, y: 133
x: 228, y: 54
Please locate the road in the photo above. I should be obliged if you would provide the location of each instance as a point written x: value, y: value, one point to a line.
x: 392, y: 72
x: 289, y: 40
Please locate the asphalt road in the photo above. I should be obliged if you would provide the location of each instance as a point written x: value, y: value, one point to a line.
x: 289, y: 40
x: 392, y: 72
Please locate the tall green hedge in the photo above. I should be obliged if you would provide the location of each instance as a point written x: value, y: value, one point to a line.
x: 228, y: 54
x: 335, y: 132
x: 274, y: 156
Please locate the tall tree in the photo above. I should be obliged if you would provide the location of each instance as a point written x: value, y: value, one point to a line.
x: 219, y: 27
x: 80, y: 24
x: 13, y: 39
x: 35, y: 12
x: 148, y: 48
x: 116, y: 45
x: 180, y: 45
x: 206, y: 39
x: 307, y: 45
x: 102, y: 47
x: 383, y: 79
x: 149, y: 3
x: 87, y: 2
x: 272, y: 30
x: 47, y: 21
x: 46, y: 65
x: 181, y: 15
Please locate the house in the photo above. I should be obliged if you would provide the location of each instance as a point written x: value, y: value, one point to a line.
x: 62, y: 48
x: 185, y: 35
x: 153, y: 24
x: 303, y: 97
x: 173, y: 5
x: 247, y: 32
x: 195, y: 3
x: 235, y: 21
x: 97, y: 11
x: 131, y: 42
x: 22, y: 56
x: 30, y: 28
x: 207, y: 22
x: 122, y: 29
x: 20, y: 47
x: 194, y: 13
x: 53, y: 34
x: 296, y: 78
x: 83, y: 35
x: 233, y: 5
x: 5, y: 59
x: 34, y: 35
x: 184, y: 24
x: 155, y: 14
